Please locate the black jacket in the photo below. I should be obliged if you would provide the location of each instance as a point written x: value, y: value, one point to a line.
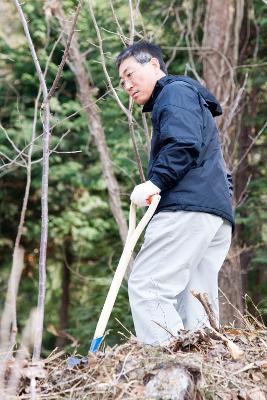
x: 186, y: 161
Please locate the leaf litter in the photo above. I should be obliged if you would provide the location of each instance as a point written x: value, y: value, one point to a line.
x: 206, y: 364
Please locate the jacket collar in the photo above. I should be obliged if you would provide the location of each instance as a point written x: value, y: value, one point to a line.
x: 148, y: 106
x: 212, y: 102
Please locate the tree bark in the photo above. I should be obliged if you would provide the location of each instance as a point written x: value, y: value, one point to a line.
x: 85, y: 91
x: 65, y: 297
x: 222, y: 26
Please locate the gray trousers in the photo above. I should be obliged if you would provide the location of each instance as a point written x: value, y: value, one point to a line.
x: 182, y: 251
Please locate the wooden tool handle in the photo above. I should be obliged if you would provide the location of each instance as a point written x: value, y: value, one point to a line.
x: 133, y: 235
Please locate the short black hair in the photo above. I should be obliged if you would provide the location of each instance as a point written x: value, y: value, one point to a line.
x: 143, y: 52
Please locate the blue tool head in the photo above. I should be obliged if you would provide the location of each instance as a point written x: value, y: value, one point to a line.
x: 95, y: 344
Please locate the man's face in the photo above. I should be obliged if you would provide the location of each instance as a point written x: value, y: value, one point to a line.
x: 139, y: 80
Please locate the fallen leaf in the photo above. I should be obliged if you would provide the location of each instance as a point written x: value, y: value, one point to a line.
x: 235, y: 350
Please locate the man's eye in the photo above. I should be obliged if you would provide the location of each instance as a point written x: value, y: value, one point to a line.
x: 129, y: 74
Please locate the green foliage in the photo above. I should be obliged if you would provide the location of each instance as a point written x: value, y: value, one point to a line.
x: 79, y: 213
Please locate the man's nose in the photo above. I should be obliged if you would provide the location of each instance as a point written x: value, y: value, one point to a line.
x: 128, y: 86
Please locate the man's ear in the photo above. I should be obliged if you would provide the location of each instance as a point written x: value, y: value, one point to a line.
x: 155, y: 62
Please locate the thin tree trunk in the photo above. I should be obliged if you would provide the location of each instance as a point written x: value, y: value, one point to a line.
x: 221, y: 33
x: 44, y: 190
x: 65, y: 297
x: 85, y: 92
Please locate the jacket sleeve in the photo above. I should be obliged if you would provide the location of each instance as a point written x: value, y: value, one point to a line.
x: 180, y: 131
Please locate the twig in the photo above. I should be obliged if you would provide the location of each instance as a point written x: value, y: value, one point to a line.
x: 264, y: 64
x: 123, y: 108
x: 137, y: 156
x: 66, y: 51
x: 11, y: 161
x: 131, y: 21
x: 200, y: 49
x: 102, y: 57
x: 10, y: 140
x: 121, y: 34
x: 250, y: 147
x: 243, y: 195
x: 239, y: 313
x: 147, y: 135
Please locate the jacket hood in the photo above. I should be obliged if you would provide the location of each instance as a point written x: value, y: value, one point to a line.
x: 213, y: 104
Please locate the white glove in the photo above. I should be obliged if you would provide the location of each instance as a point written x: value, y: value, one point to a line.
x: 141, y: 193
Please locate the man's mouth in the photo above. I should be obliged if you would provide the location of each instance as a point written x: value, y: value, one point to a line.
x: 135, y: 94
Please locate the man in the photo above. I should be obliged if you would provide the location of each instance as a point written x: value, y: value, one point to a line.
x: 188, y: 238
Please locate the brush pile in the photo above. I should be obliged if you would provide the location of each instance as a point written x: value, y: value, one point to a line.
x: 207, y: 364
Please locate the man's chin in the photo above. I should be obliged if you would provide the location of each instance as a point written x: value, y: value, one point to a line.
x: 140, y: 102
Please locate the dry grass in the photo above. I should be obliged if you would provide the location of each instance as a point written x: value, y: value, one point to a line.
x: 123, y: 372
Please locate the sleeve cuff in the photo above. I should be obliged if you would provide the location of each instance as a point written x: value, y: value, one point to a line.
x: 154, y: 179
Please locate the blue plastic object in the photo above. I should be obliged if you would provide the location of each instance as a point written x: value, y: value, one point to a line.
x: 74, y: 361
x: 96, y: 344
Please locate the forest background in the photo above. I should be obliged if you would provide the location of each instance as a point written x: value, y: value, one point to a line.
x: 93, y: 164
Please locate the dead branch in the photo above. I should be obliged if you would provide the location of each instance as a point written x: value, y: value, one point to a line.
x: 204, y: 300
x: 235, y: 350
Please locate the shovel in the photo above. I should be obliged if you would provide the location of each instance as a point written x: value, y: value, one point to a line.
x: 134, y: 233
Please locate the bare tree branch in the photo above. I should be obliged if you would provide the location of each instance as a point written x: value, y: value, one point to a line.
x: 147, y: 135
x: 131, y: 21
x: 10, y: 140
x: 85, y: 91
x: 123, y: 108
x: 250, y: 147
x: 120, y: 31
x: 132, y: 133
x: 66, y: 51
